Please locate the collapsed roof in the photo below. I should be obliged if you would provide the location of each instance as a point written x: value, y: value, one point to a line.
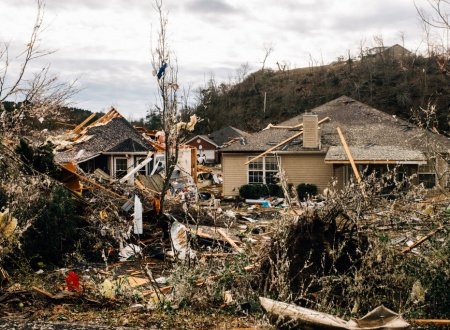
x: 112, y: 133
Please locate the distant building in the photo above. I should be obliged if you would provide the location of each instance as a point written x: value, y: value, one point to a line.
x: 208, y: 145
x: 396, y: 51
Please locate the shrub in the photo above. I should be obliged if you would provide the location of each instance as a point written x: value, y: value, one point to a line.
x: 305, y: 190
x: 275, y: 190
x: 255, y: 191
x: 39, y: 158
x: 54, y: 232
x: 249, y: 191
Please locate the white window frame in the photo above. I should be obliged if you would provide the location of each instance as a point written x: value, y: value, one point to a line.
x: 115, y: 167
x: 251, y: 167
x: 427, y: 169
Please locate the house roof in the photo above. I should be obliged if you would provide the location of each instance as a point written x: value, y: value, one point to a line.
x: 111, y: 133
x: 204, y: 137
x: 361, y: 125
x: 373, y: 154
x: 226, y: 134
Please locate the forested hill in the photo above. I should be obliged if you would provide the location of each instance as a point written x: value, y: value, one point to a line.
x: 395, y: 85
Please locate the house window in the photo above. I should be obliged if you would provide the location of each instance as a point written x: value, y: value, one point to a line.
x: 120, y: 167
x: 426, y: 175
x: 263, y: 170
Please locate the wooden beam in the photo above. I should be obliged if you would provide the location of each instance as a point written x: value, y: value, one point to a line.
x: 43, y: 292
x: 95, y: 184
x: 81, y: 126
x: 435, y: 322
x: 283, y: 127
x: 229, y: 240
x: 420, y: 241
x: 283, y: 142
x: 349, y: 155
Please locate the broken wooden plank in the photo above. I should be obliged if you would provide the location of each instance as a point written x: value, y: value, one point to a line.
x: 230, y: 241
x: 43, y: 292
x: 93, y: 183
x: 435, y: 322
x: 282, y: 143
x: 349, y: 155
x: 420, y: 241
x: 137, y: 167
x: 78, y: 128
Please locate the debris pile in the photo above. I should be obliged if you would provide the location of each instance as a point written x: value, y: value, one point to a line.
x: 83, y: 240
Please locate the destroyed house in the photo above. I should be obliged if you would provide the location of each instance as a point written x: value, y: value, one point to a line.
x: 308, y: 148
x: 208, y: 145
x: 110, y: 144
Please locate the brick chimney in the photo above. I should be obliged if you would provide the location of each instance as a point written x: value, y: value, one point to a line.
x: 311, y: 131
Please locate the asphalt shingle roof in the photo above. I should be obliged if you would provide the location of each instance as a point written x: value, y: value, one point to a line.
x: 114, y: 135
x: 361, y: 125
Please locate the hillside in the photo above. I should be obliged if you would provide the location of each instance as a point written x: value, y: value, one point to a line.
x: 392, y: 84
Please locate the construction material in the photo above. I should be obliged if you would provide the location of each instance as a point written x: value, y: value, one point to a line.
x: 137, y: 168
x: 349, y: 155
x: 282, y: 143
x: 230, y: 241
x: 80, y: 127
x: 433, y: 322
x: 380, y: 318
x: 93, y: 183
x: 137, y: 220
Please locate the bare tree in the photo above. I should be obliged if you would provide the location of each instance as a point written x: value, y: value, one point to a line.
x: 165, y: 68
x: 40, y: 93
x: 268, y: 49
x: 437, y: 16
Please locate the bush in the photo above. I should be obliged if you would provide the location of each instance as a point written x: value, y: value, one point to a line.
x: 55, y: 232
x: 305, y: 190
x: 39, y: 158
x: 255, y: 191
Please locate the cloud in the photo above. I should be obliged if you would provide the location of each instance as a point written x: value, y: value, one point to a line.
x: 216, y: 7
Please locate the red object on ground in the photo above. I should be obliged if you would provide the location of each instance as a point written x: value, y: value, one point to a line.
x: 73, y: 282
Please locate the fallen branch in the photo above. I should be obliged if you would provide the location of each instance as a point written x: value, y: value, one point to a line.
x: 420, y: 241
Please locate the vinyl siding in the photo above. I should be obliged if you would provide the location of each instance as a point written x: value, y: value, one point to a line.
x: 234, y: 172
x: 299, y: 169
x: 307, y: 169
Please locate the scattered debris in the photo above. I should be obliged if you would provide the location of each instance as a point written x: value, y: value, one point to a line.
x: 295, y: 316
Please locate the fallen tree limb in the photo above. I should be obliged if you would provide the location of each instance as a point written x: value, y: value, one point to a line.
x: 420, y: 241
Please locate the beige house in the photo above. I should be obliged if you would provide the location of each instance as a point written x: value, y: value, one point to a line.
x: 377, y: 141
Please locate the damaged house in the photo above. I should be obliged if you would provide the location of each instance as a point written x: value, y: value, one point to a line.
x: 377, y: 141
x: 111, y: 144
x: 208, y: 145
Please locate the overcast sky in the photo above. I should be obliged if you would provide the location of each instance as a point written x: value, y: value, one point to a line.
x: 106, y: 44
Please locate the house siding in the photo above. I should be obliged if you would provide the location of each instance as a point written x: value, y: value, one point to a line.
x: 299, y: 169
x: 307, y: 169
x: 234, y: 173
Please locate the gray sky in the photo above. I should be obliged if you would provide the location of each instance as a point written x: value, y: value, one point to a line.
x: 106, y: 44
